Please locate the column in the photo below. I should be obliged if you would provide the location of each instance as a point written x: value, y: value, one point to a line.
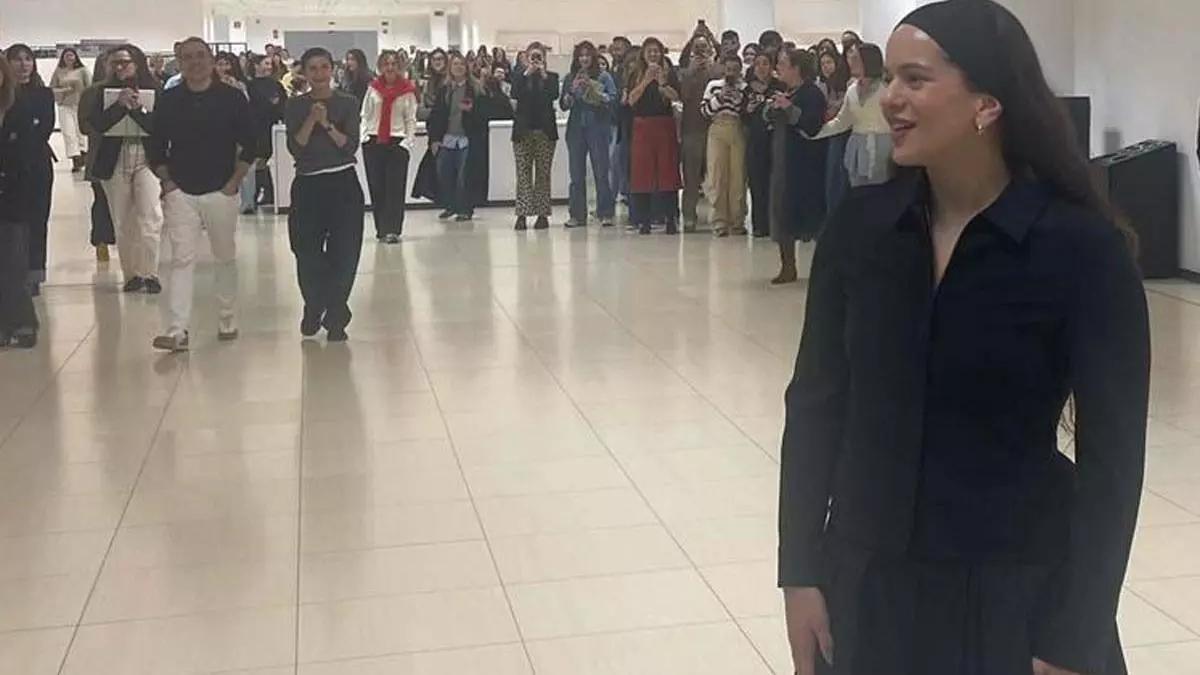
x: 439, y: 29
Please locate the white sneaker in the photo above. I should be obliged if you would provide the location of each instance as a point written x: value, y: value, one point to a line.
x: 172, y: 343
x: 227, y: 329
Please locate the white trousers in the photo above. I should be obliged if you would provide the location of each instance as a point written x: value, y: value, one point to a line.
x: 184, y: 217
x: 133, y: 200
x: 68, y: 123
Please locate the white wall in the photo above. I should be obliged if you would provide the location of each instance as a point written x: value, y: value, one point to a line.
x: 580, y: 18
x: 1051, y: 25
x: 1137, y: 62
x: 403, y: 31
x: 154, y: 26
x: 802, y: 20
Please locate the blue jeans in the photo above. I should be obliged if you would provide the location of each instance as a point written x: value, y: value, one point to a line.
x: 452, y: 181
x: 620, y: 166
x: 593, y: 140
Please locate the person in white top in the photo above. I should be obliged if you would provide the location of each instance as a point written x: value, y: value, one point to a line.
x: 725, y: 104
x: 869, y: 150
x: 389, y: 124
x: 69, y: 81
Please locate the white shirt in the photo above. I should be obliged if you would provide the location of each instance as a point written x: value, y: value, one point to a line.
x: 404, y: 117
x: 861, y: 117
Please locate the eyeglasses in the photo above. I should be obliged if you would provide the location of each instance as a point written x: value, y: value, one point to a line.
x: 122, y: 62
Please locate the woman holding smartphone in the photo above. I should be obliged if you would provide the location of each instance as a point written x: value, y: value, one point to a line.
x: 455, y: 127
x: 534, y: 137
x: 654, y: 181
x: 589, y: 94
x: 122, y: 164
x: 389, y: 125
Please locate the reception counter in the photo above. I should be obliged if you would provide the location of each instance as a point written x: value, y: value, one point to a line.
x: 502, y: 179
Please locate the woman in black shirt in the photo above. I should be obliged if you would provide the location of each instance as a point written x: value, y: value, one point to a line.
x: 654, y: 183
x: 534, y: 138
x: 39, y: 101
x: 20, y: 152
x: 929, y: 523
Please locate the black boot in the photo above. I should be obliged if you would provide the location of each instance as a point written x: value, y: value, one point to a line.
x: 542, y: 223
x: 522, y: 224
x: 787, y: 265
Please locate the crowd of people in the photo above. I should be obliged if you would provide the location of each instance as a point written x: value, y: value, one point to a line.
x: 770, y: 134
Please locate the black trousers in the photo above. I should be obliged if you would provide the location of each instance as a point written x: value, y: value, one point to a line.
x: 42, y: 187
x: 758, y: 170
x: 387, y: 179
x: 16, y: 307
x: 325, y: 226
x: 103, y: 233
x: 646, y: 208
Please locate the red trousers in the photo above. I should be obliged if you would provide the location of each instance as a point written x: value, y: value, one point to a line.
x: 654, y: 156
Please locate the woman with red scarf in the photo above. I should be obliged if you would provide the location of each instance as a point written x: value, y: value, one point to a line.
x: 389, y: 124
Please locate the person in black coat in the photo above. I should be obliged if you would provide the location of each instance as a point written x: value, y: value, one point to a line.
x: 20, y: 156
x: 797, y: 163
x: 268, y: 99
x: 534, y: 138
x: 929, y: 522
x: 762, y: 86
x: 39, y: 100
x: 458, y: 136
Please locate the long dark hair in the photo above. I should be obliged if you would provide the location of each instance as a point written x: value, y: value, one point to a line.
x: 35, y: 79
x: 235, y: 68
x: 840, y: 80
x: 586, y: 47
x: 8, y: 88
x: 144, y: 78
x: 62, y: 58
x: 641, y: 64
x: 1037, y: 135
x: 363, y: 73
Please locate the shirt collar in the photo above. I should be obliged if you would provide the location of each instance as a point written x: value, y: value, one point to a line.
x: 1014, y: 212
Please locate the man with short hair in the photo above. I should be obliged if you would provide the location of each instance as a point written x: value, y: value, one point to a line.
x: 202, y: 145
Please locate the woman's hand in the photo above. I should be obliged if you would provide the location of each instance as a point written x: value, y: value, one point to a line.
x: 808, y: 628
x: 781, y: 101
x: 1040, y: 667
x: 129, y: 99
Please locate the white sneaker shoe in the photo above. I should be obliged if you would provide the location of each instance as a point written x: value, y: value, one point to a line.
x: 172, y: 343
x: 227, y: 329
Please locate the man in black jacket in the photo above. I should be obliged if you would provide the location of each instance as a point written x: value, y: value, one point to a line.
x: 202, y: 146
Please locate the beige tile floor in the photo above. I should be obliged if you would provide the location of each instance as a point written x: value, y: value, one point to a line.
x: 553, y: 453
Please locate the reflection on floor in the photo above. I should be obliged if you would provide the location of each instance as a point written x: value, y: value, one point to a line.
x: 548, y: 452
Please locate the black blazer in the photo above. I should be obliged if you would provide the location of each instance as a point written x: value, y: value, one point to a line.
x: 100, y: 120
x: 21, y: 151
x: 535, y: 97
x: 922, y: 421
x: 475, y: 122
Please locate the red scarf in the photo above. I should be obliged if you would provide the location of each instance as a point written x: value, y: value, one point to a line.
x: 389, y: 94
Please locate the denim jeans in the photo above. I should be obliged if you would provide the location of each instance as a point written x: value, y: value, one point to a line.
x: 452, y: 180
x: 594, y: 140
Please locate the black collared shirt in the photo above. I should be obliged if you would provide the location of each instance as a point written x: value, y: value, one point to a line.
x: 922, y: 420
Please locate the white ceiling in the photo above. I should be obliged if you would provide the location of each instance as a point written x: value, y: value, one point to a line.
x: 333, y: 8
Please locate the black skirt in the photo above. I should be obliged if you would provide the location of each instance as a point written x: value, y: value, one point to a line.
x: 901, y: 617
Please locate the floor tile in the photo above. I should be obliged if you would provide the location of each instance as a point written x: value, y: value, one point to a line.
x: 590, y: 553
x: 1178, y: 600
x: 747, y: 589
x: 371, y: 527
x: 712, y: 649
x: 394, y: 571
x: 495, y: 660
x: 530, y: 478
x: 409, y: 623
x: 1176, y: 659
x: 212, y: 642
x: 728, y: 540
x: 125, y: 593
x: 43, y: 602
x: 610, y: 604
x: 34, y: 652
x: 543, y: 514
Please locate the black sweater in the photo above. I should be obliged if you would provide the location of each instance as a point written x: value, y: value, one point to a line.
x: 201, y: 135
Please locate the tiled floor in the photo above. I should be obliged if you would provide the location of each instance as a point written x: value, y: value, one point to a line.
x: 553, y: 453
